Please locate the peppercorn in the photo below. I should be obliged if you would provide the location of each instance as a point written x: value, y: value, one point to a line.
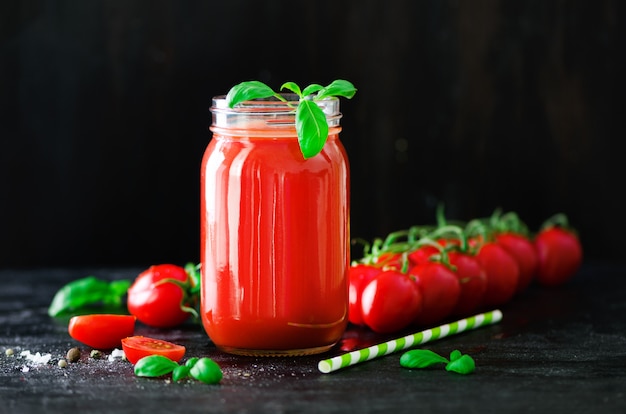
x: 73, y: 355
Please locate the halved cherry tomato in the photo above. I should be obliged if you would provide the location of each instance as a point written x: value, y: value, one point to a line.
x: 137, y: 347
x: 390, y: 302
x: 360, y: 276
x: 560, y: 255
x: 440, y: 291
x: 101, y: 331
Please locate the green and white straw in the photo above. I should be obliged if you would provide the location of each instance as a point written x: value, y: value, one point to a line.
x: 399, y: 344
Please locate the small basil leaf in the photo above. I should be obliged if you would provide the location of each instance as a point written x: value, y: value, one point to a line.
x: 246, y: 91
x: 293, y: 87
x: 463, y: 365
x: 207, y: 371
x: 191, y: 362
x: 454, y: 355
x: 154, y: 366
x: 311, y: 127
x: 312, y: 89
x: 180, y: 372
x: 421, y: 358
x: 339, y: 87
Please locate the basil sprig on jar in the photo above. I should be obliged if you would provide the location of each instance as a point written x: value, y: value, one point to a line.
x: 311, y: 122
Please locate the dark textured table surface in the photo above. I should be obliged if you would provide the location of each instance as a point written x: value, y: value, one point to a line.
x: 556, y: 350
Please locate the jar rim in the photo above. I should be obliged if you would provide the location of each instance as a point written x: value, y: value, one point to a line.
x: 329, y: 105
x: 269, y: 111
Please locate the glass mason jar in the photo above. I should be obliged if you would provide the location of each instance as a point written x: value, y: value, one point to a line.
x: 274, y: 232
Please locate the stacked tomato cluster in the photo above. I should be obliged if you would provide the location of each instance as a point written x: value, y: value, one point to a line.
x: 423, y: 275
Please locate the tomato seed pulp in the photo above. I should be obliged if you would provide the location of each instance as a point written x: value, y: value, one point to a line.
x: 274, y: 243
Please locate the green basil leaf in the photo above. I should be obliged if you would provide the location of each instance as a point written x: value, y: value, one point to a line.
x: 118, y: 288
x: 462, y: 365
x: 207, y: 371
x: 154, y: 366
x: 312, y: 89
x: 180, y: 372
x: 246, y: 91
x: 454, y: 355
x: 338, y: 87
x: 293, y: 87
x: 421, y: 358
x: 192, y: 361
x: 87, y: 291
x: 193, y: 271
x: 311, y: 127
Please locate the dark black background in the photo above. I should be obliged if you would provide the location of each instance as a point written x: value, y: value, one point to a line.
x: 104, y: 114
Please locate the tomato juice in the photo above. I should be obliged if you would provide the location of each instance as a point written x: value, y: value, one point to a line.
x: 274, y: 240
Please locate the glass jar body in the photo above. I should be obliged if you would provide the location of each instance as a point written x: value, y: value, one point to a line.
x: 274, y: 238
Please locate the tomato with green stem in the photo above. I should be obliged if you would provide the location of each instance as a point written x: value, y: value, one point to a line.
x: 390, y: 302
x: 559, y: 253
x: 101, y: 331
x: 164, y: 296
x: 360, y: 275
x: 137, y: 347
x: 524, y: 252
x: 472, y: 281
x: 440, y: 291
x: 502, y: 273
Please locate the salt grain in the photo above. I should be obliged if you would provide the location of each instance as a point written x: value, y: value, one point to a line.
x: 36, y: 358
x: 116, y: 354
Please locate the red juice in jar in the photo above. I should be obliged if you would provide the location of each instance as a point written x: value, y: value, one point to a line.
x: 274, y: 233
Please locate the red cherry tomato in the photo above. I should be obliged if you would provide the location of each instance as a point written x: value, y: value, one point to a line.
x: 156, y: 298
x: 360, y: 276
x: 502, y: 273
x: 390, y: 261
x: 472, y: 280
x: 440, y: 291
x: 560, y: 255
x: 390, y: 302
x: 137, y: 347
x: 422, y: 255
x: 524, y: 253
x: 101, y: 331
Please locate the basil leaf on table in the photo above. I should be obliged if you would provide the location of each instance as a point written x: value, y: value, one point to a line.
x: 154, y: 366
x: 424, y: 358
x: 88, y: 291
x: 206, y: 370
x: 421, y: 358
x: 462, y: 365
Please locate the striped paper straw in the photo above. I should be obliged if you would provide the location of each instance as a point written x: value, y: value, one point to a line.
x: 396, y: 345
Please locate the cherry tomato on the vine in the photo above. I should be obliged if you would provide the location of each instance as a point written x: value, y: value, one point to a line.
x: 101, y: 331
x: 360, y: 275
x: 159, y: 296
x: 502, y: 273
x: 422, y: 254
x: 560, y: 255
x: 390, y: 261
x: 390, y: 302
x: 440, y: 291
x: 524, y: 253
x: 472, y: 280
